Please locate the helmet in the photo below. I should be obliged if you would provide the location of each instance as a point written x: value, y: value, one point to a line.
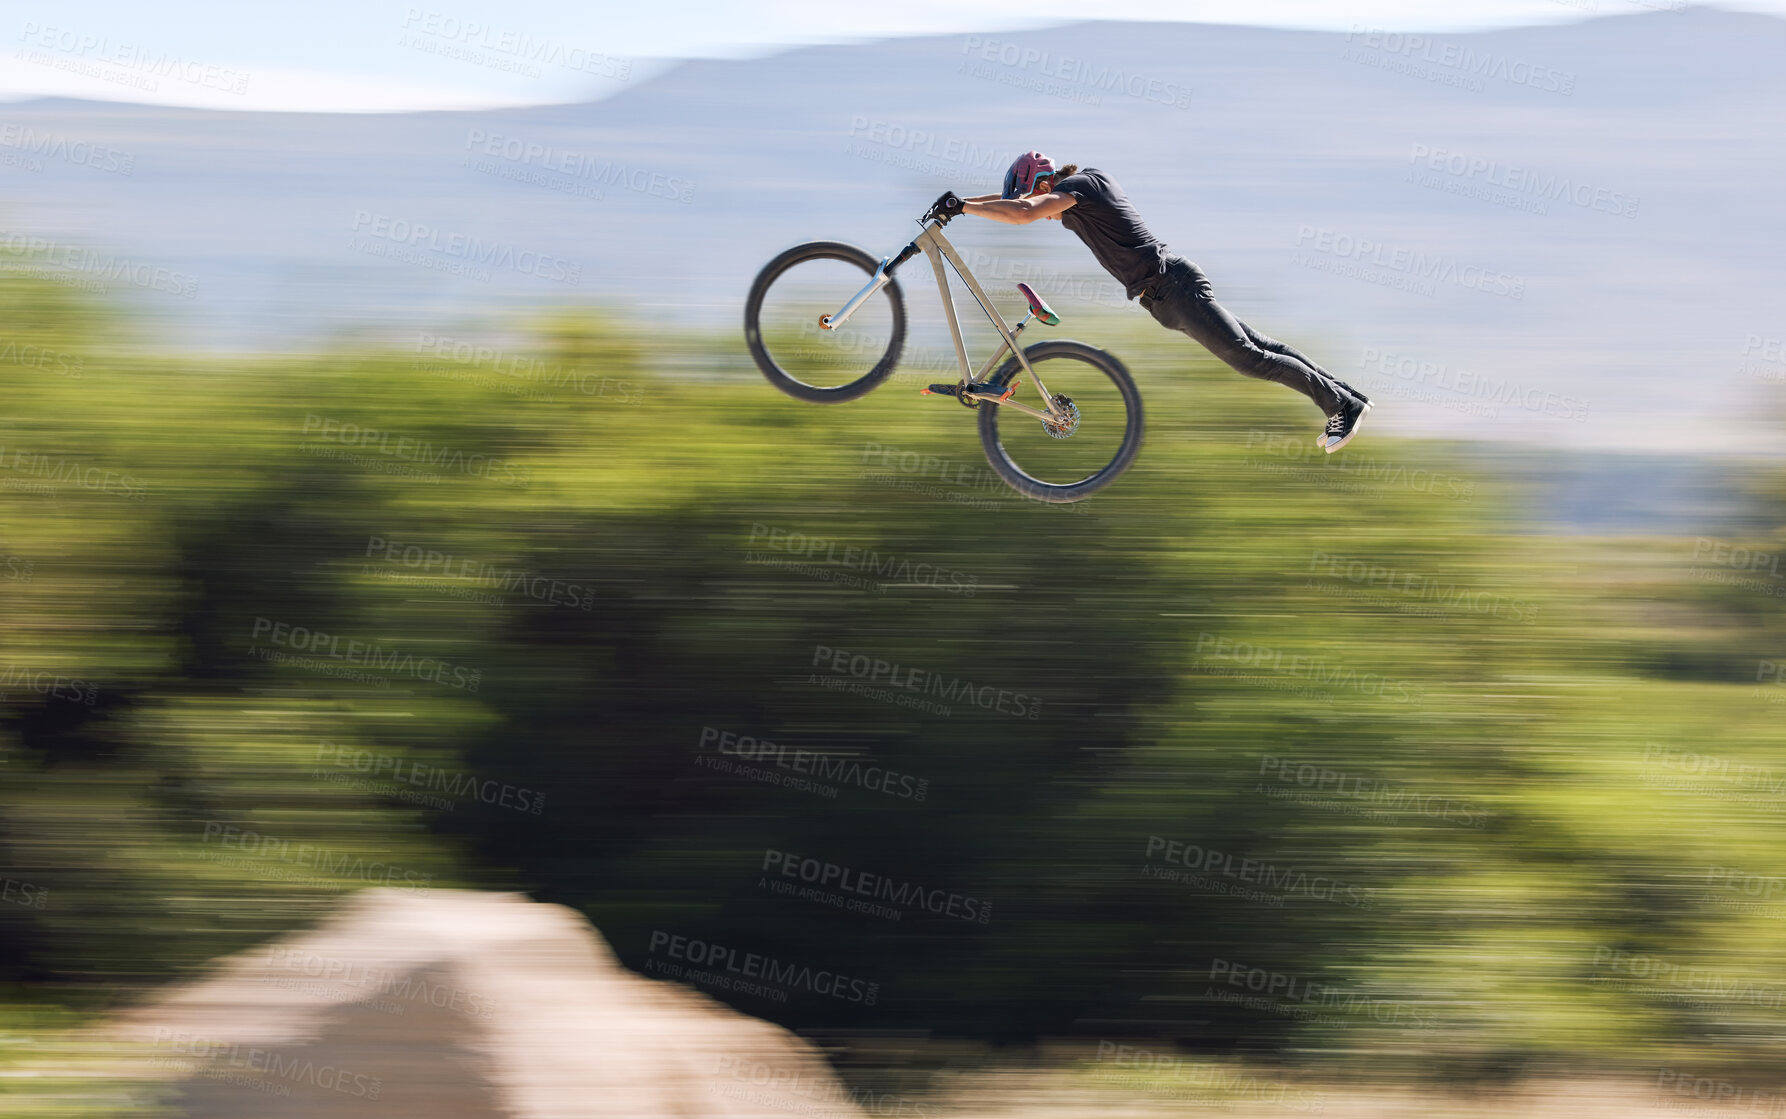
x: 1028, y: 167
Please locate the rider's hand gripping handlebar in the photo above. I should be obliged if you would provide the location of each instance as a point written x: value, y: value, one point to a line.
x: 949, y: 205
x: 946, y: 207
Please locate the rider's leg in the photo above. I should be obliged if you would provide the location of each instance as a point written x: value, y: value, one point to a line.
x: 1287, y: 350
x: 1183, y: 301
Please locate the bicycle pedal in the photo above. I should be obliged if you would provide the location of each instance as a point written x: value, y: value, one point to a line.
x: 941, y: 390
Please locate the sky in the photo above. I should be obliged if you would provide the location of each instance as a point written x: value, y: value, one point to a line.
x: 379, y: 56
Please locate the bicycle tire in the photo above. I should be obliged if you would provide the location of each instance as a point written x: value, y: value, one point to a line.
x: 781, y: 378
x: 1013, y: 474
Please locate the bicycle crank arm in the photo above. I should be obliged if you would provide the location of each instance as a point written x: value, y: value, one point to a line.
x: 832, y: 322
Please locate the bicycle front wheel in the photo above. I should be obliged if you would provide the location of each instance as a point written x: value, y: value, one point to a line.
x: 1094, y: 443
x: 783, y: 323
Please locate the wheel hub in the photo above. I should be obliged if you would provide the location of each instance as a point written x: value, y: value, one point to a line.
x: 1064, y: 428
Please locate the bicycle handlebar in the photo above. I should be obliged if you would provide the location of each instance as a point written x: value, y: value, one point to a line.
x: 946, y: 207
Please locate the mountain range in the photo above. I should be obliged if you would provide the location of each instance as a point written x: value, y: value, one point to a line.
x: 1568, y: 235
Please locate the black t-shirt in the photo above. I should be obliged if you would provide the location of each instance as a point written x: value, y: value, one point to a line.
x: 1111, y: 229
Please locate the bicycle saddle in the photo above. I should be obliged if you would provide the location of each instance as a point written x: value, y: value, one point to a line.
x: 1038, y: 306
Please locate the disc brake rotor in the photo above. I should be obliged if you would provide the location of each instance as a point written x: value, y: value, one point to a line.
x: 1067, y: 426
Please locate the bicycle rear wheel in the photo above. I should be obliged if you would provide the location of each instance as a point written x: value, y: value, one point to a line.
x: 782, y: 327
x: 1071, y: 460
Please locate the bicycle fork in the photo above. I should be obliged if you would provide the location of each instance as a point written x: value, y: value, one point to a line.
x: 882, y: 274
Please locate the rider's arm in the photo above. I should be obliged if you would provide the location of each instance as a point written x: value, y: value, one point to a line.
x: 983, y: 198
x: 1021, y: 211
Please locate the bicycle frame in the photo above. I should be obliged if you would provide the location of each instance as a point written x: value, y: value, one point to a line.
x: 936, y: 247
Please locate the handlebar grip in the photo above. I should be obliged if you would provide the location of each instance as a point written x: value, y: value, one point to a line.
x: 945, y: 207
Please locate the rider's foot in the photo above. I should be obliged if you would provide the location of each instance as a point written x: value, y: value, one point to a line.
x: 1343, y: 424
x: 1321, y: 439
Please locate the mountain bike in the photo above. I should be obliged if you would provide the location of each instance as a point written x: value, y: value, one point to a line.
x: 817, y: 342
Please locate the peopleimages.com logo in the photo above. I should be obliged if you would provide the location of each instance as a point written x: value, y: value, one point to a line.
x: 467, y: 248
x: 1519, y: 180
x: 399, y: 449
x: 67, y: 262
x: 566, y: 170
x: 1275, y: 882
x: 15, y: 892
x: 830, y: 767
x: 729, y: 964
x: 412, y: 780
x: 309, y: 647
x: 1450, y: 63
x: 1416, y: 266
x: 54, y: 146
x: 241, y: 847
x: 510, y: 49
x: 430, y: 562
x: 908, y: 682
x: 273, y: 1071
x: 881, y: 887
x: 828, y: 553
x: 1066, y: 76
x: 122, y: 61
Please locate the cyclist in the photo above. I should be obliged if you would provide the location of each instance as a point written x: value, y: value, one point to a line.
x: 1171, y: 288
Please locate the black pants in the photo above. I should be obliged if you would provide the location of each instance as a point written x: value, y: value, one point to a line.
x: 1181, y: 299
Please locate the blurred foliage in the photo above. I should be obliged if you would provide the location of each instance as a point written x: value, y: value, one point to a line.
x: 1454, y: 795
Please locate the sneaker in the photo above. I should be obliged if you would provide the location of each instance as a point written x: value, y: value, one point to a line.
x: 1343, y: 425
x: 1321, y: 439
